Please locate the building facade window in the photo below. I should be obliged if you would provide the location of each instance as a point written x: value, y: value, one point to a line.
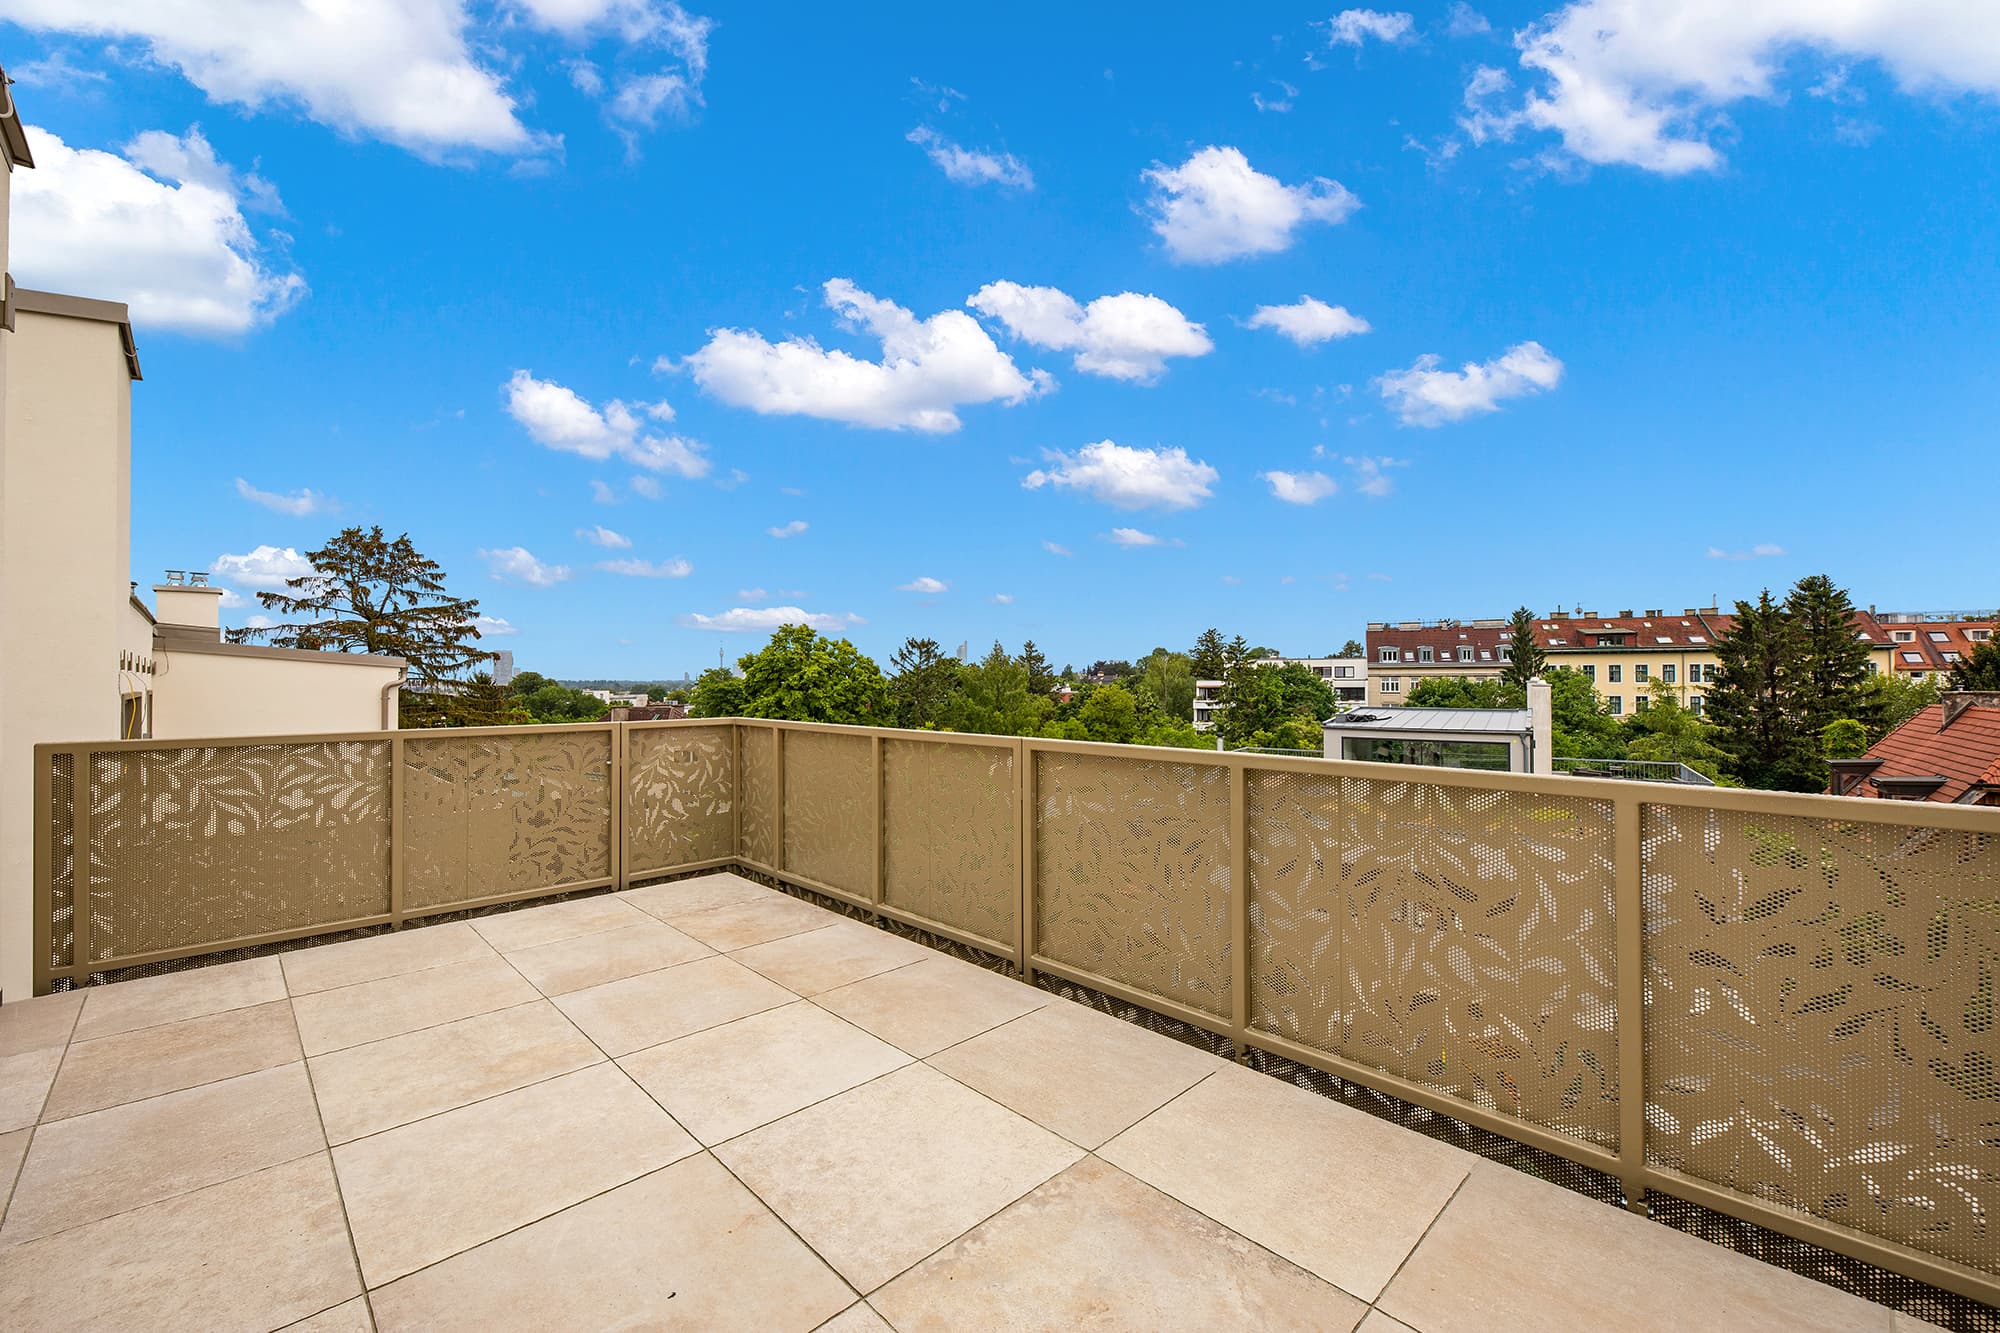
x: 1903, y: 635
x: 1694, y: 705
x: 1642, y: 703
x: 1491, y: 756
x: 1615, y: 705
x: 1392, y: 685
x: 1343, y: 673
x: 1425, y: 655
x: 1389, y: 655
x: 1464, y: 654
x: 1667, y: 673
x: 1617, y: 673
x: 1590, y: 672
x: 1639, y: 673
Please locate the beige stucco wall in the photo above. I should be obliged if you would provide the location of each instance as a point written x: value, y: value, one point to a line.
x: 198, y: 695
x: 65, y: 556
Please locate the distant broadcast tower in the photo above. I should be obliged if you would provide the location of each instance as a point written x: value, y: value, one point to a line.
x: 962, y: 645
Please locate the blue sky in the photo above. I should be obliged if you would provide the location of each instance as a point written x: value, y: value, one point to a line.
x: 1624, y: 303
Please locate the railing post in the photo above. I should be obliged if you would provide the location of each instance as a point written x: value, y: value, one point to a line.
x: 1631, y: 907
x: 778, y: 798
x: 399, y: 792
x: 45, y: 866
x: 1239, y: 909
x: 83, y: 796
x: 736, y: 789
x: 875, y: 779
x: 620, y: 862
x: 1026, y: 808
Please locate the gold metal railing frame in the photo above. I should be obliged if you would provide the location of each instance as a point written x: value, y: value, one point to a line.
x: 865, y: 868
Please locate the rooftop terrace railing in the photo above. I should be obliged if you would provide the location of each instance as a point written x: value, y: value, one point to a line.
x: 1638, y: 770
x: 1779, y: 1007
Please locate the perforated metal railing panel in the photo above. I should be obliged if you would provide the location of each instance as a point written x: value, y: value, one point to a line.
x: 951, y: 836
x: 1462, y: 939
x: 758, y: 781
x: 487, y: 815
x: 1132, y: 873
x: 682, y: 787
x: 211, y: 843
x: 830, y: 809
x: 1820, y: 1019
x: 62, y: 860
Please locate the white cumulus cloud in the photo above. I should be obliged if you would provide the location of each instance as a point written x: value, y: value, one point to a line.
x: 1003, y: 599
x: 1057, y: 548
x: 399, y: 70
x: 493, y: 625
x: 1352, y: 27
x: 791, y: 529
x: 1646, y: 83
x: 299, y: 503
x: 161, y: 229
x: 1425, y: 395
x: 969, y: 166
x: 1300, y: 488
x: 1308, y: 322
x: 559, y: 418
x: 599, y: 535
x: 1133, y: 537
x: 764, y: 619
x: 1215, y: 207
x: 1761, y: 551
x: 924, y: 583
x: 516, y: 564
x: 675, y: 568
x: 1126, y: 477
x: 1125, y: 337
x: 262, y: 568
x: 929, y: 368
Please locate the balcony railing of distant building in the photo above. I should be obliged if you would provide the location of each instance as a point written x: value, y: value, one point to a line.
x: 1638, y: 770
x: 1776, y: 1006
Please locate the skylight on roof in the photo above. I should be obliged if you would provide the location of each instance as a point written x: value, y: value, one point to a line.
x: 1697, y: 638
x: 1663, y: 638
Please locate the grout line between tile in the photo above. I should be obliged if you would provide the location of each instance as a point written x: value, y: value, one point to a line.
x: 1419, y: 1244
x: 14, y: 1181
x: 339, y: 1192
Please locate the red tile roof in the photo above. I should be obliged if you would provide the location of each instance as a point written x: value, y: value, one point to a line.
x: 1930, y: 640
x: 1966, y: 753
x: 1697, y: 630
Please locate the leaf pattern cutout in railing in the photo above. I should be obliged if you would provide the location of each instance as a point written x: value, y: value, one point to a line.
x: 829, y: 780
x: 951, y: 833
x: 682, y: 787
x: 1820, y: 1019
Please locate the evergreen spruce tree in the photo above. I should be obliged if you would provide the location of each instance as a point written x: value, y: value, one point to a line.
x: 1754, y: 700
x: 1041, y: 675
x: 1210, y: 655
x: 1831, y: 684
x: 1980, y: 670
x: 1525, y: 660
x: 923, y: 684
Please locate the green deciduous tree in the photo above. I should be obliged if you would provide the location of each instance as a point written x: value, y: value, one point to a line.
x: 1579, y: 727
x: 1109, y: 713
x: 1352, y: 648
x: 1843, y: 738
x: 924, y: 683
x: 1979, y: 670
x: 717, y: 692
x: 1278, y: 707
x: 1525, y: 659
x: 1167, y: 681
x: 1895, y: 698
x: 1670, y: 732
x: 992, y: 698
x: 1462, y: 692
x: 804, y: 676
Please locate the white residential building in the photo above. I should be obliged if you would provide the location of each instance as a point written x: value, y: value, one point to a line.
x: 1346, y: 676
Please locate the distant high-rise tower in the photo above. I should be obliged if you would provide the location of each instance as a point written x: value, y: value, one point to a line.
x: 962, y: 646
x: 503, y: 667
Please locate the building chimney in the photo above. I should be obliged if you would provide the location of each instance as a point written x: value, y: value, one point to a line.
x: 1541, y: 725
x: 1957, y: 701
x: 188, y: 605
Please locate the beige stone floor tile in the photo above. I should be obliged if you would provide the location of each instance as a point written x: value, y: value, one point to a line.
x: 733, y: 1078
x: 1338, y: 1192
x: 526, y: 927
x: 880, y: 1176
x: 146, y: 1062
x: 92, y: 1166
x: 1080, y: 1073
x: 13, y: 1147
x: 331, y: 1020
x: 260, y: 1251
x: 151, y: 1001
x: 1095, y: 1248
x: 1377, y: 1322
x: 835, y: 955
x: 932, y: 1004
x: 681, y: 897
x: 859, y: 1317
x: 38, y: 1023
x: 24, y: 1085
x: 366, y: 1089
x: 346, y: 1317
x: 1513, y: 1252
x: 426, y: 1191
x: 610, y: 955
x: 351, y: 962
x: 625, y: 1016
x: 686, y: 1247
x: 740, y: 925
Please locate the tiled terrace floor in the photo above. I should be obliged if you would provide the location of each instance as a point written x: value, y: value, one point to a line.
x: 708, y: 1104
